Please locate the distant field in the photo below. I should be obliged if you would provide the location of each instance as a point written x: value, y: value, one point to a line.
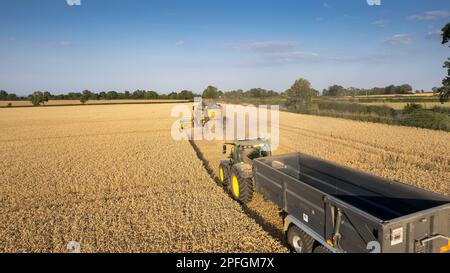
x: 401, y: 105
x: 395, y: 95
x: 77, y: 102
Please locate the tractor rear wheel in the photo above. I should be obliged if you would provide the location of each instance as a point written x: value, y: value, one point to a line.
x: 241, y: 188
x: 224, y: 175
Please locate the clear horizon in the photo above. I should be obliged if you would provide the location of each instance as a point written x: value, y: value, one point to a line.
x: 155, y: 45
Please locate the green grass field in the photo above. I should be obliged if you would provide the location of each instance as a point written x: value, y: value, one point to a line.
x: 401, y: 105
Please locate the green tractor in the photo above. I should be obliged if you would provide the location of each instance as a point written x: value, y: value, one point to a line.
x: 236, y: 173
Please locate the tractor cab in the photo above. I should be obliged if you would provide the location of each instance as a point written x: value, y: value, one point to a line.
x: 247, y: 150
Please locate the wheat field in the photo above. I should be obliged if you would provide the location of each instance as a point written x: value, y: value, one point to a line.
x: 22, y: 103
x: 112, y: 179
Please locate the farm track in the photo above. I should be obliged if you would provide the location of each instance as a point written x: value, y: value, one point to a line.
x: 262, y: 211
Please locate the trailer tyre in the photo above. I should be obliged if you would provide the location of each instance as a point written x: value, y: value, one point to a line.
x: 224, y: 176
x: 299, y: 241
x: 321, y: 249
x: 241, y: 188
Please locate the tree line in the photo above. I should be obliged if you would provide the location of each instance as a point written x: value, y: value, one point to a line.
x: 211, y: 92
x: 337, y: 90
x: 40, y: 97
x: 109, y: 95
x: 8, y: 96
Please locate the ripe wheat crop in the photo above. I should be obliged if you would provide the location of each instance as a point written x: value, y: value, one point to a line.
x: 77, y: 102
x: 112, y: 179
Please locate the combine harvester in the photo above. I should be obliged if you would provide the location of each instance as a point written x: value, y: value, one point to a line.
x: 327, y: 207
x: 205, y: 110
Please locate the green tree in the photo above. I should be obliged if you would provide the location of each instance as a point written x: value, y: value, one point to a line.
x: 335, y: 91
x: 404, y: 89
x: 112, y: 95
x: 411, y: 107
x: 3, y: 94
x: 138, y: 94
x: 300, y: 95
x: 47, y: 96
x: 12, y: 96
x: 211, y: 92
x: 102, y: 95
x: 151, y: 95
x: 74, y: 96
x: 173, y: 96
x: 354, y: 91
x: 86, y: 95
x: 186, y: 95
x: 7, y: 96
x: 444, y: 91
x: 389, y: 89
x: 37, y: 98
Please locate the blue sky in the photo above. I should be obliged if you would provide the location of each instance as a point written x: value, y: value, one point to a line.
x: 173, y: 44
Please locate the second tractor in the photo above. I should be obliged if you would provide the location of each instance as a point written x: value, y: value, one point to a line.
x: 236, y: 173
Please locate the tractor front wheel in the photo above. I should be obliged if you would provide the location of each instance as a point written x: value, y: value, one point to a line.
x: 241, y: 188
x: 224, y: 176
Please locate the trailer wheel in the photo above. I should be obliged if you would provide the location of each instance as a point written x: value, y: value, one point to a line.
x: 299, y: 241
x: 321, y: 249
x: 241, y: 188
x: 223, y: 174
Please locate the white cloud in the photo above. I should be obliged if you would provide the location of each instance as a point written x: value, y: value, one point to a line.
x: 431, y: 15
x: 326, y: 5
x: 379, y: 23
x: 64, y: 43
x: 59, y: 44
x: 180, y: 43
x: 299, y: 57
x: 264, y: 46
x: 289, y: 57
x: 399, y: 39
x: 372, y: 57
x: 351, y: 17
x: 73, y: 2
x: 434, y: 34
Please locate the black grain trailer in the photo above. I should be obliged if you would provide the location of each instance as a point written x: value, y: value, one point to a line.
x: 332, y: 208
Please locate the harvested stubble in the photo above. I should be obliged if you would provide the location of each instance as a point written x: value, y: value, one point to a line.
x: 419, y: 157
x: 111, y: 178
